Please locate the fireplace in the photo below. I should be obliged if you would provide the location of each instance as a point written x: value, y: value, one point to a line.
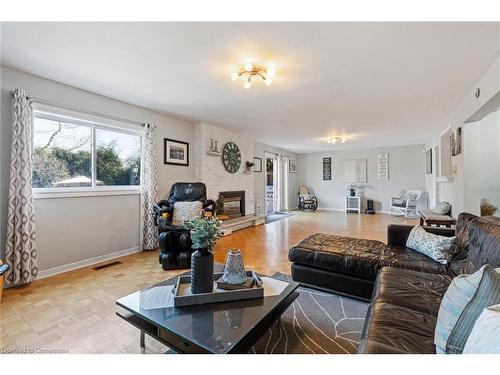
x: 233, y: 203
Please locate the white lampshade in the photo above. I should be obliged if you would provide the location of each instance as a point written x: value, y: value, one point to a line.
x: 247, y: 84
x: 248, y: 66
x: 234, y: 76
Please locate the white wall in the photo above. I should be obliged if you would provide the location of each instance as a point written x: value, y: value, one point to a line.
x: 454, y: 192
x: 482, y: 163
x: 259, y: 150
x: 211, y: 171
x: 406, y: 171
x: 73, y: 229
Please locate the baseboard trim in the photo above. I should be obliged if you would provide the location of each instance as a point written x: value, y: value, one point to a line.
x: 86, y: 262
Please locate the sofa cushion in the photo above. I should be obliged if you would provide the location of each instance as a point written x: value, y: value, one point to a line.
x: 419, y: 291
x: 358, y: 257
x: 402, y: 315
x: 395, y: 329
x: 460, y: 247
x: 341, y: 254
x: 484, y: 244
x: 430, y: 244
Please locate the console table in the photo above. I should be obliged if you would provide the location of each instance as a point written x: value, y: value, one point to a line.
x: 352, y: 204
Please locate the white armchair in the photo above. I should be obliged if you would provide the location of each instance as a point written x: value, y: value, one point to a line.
x: 406, y: 204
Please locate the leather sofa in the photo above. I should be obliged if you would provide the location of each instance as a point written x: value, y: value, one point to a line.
x: 175, y: 241
x: 403, y: 311
x: 405, y: 287
x: 349, y: 266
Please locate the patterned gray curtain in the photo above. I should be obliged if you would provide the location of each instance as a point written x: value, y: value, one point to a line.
x: 20, y: 249
x: 149, y: 183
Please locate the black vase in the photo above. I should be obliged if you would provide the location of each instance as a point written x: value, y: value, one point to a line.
x: 353, y: 193
x: 202, y: 271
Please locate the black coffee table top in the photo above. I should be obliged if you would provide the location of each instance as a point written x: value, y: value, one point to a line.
x: 215, y: 327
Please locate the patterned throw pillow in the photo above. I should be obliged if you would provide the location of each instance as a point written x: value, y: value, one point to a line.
x: 456, y: 298
x: 442, y: 208
x: 484, y: 338
x: 185, y: 211
x: 487, y: 294
x: 430, y: 244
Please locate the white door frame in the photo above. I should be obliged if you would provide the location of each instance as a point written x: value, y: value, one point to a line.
x: 274, y: 157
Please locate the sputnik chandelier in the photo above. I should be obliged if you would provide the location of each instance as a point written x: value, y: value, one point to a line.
x: 250, y: 70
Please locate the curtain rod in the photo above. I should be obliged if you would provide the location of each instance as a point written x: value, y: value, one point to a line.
x: 63, y: 106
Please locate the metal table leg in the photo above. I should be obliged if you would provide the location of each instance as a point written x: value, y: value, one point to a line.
x: 142, y: 339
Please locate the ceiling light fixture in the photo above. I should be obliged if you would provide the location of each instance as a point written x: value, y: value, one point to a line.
x: 250, y: 70
x: 334, y: 140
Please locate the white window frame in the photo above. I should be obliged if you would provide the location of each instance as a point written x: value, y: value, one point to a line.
x: 94, y: 122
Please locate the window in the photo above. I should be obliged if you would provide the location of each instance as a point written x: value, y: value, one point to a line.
x: 79, y: 155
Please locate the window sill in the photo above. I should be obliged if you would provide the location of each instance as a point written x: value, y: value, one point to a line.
x: 83, y: 193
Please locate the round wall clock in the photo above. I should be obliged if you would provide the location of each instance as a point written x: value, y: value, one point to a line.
x: 231, y: 157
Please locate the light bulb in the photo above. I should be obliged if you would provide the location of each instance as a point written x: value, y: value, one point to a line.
x: 248, y: 66
x: 268, y: 81
x: 247, y: 84
x: 234, y: 76
x: 271, y: 72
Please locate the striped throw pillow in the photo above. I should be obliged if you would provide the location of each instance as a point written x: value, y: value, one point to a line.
x: 456, y: 298
x: 487, y: 294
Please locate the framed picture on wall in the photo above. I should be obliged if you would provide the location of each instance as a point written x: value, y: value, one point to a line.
x: 428, y: 161
x: 292, y: 166
x: 257, y: 167
x: 175, y: 152
x: 327, y: 169
x: 456, y: 142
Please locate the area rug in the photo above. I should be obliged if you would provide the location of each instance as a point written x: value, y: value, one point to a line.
x: 316, y: 323
x: 277, y: 216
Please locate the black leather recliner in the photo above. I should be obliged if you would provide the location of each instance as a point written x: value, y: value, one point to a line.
x: 175, y: 241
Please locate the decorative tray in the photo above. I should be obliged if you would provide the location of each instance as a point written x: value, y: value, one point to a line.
x: 184, y: 297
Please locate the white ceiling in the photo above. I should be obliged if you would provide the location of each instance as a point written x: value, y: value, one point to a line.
x: 379, y: 84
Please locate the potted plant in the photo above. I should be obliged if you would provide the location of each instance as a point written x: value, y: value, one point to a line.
x: 352, y: 190
x: 204, y: 232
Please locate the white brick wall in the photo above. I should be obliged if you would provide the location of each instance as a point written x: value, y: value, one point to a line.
x: 210, y: 170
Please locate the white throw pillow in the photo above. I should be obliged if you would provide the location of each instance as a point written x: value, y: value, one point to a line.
x: 485, y: 336
x: 442, y: 208
x: 430, y: 244
x: 457, y: 296
x: 186, y: 211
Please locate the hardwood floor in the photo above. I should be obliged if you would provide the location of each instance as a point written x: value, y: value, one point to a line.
x: 75, y: 312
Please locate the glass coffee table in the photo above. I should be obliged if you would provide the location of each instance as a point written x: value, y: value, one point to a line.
x: 223, y: 327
